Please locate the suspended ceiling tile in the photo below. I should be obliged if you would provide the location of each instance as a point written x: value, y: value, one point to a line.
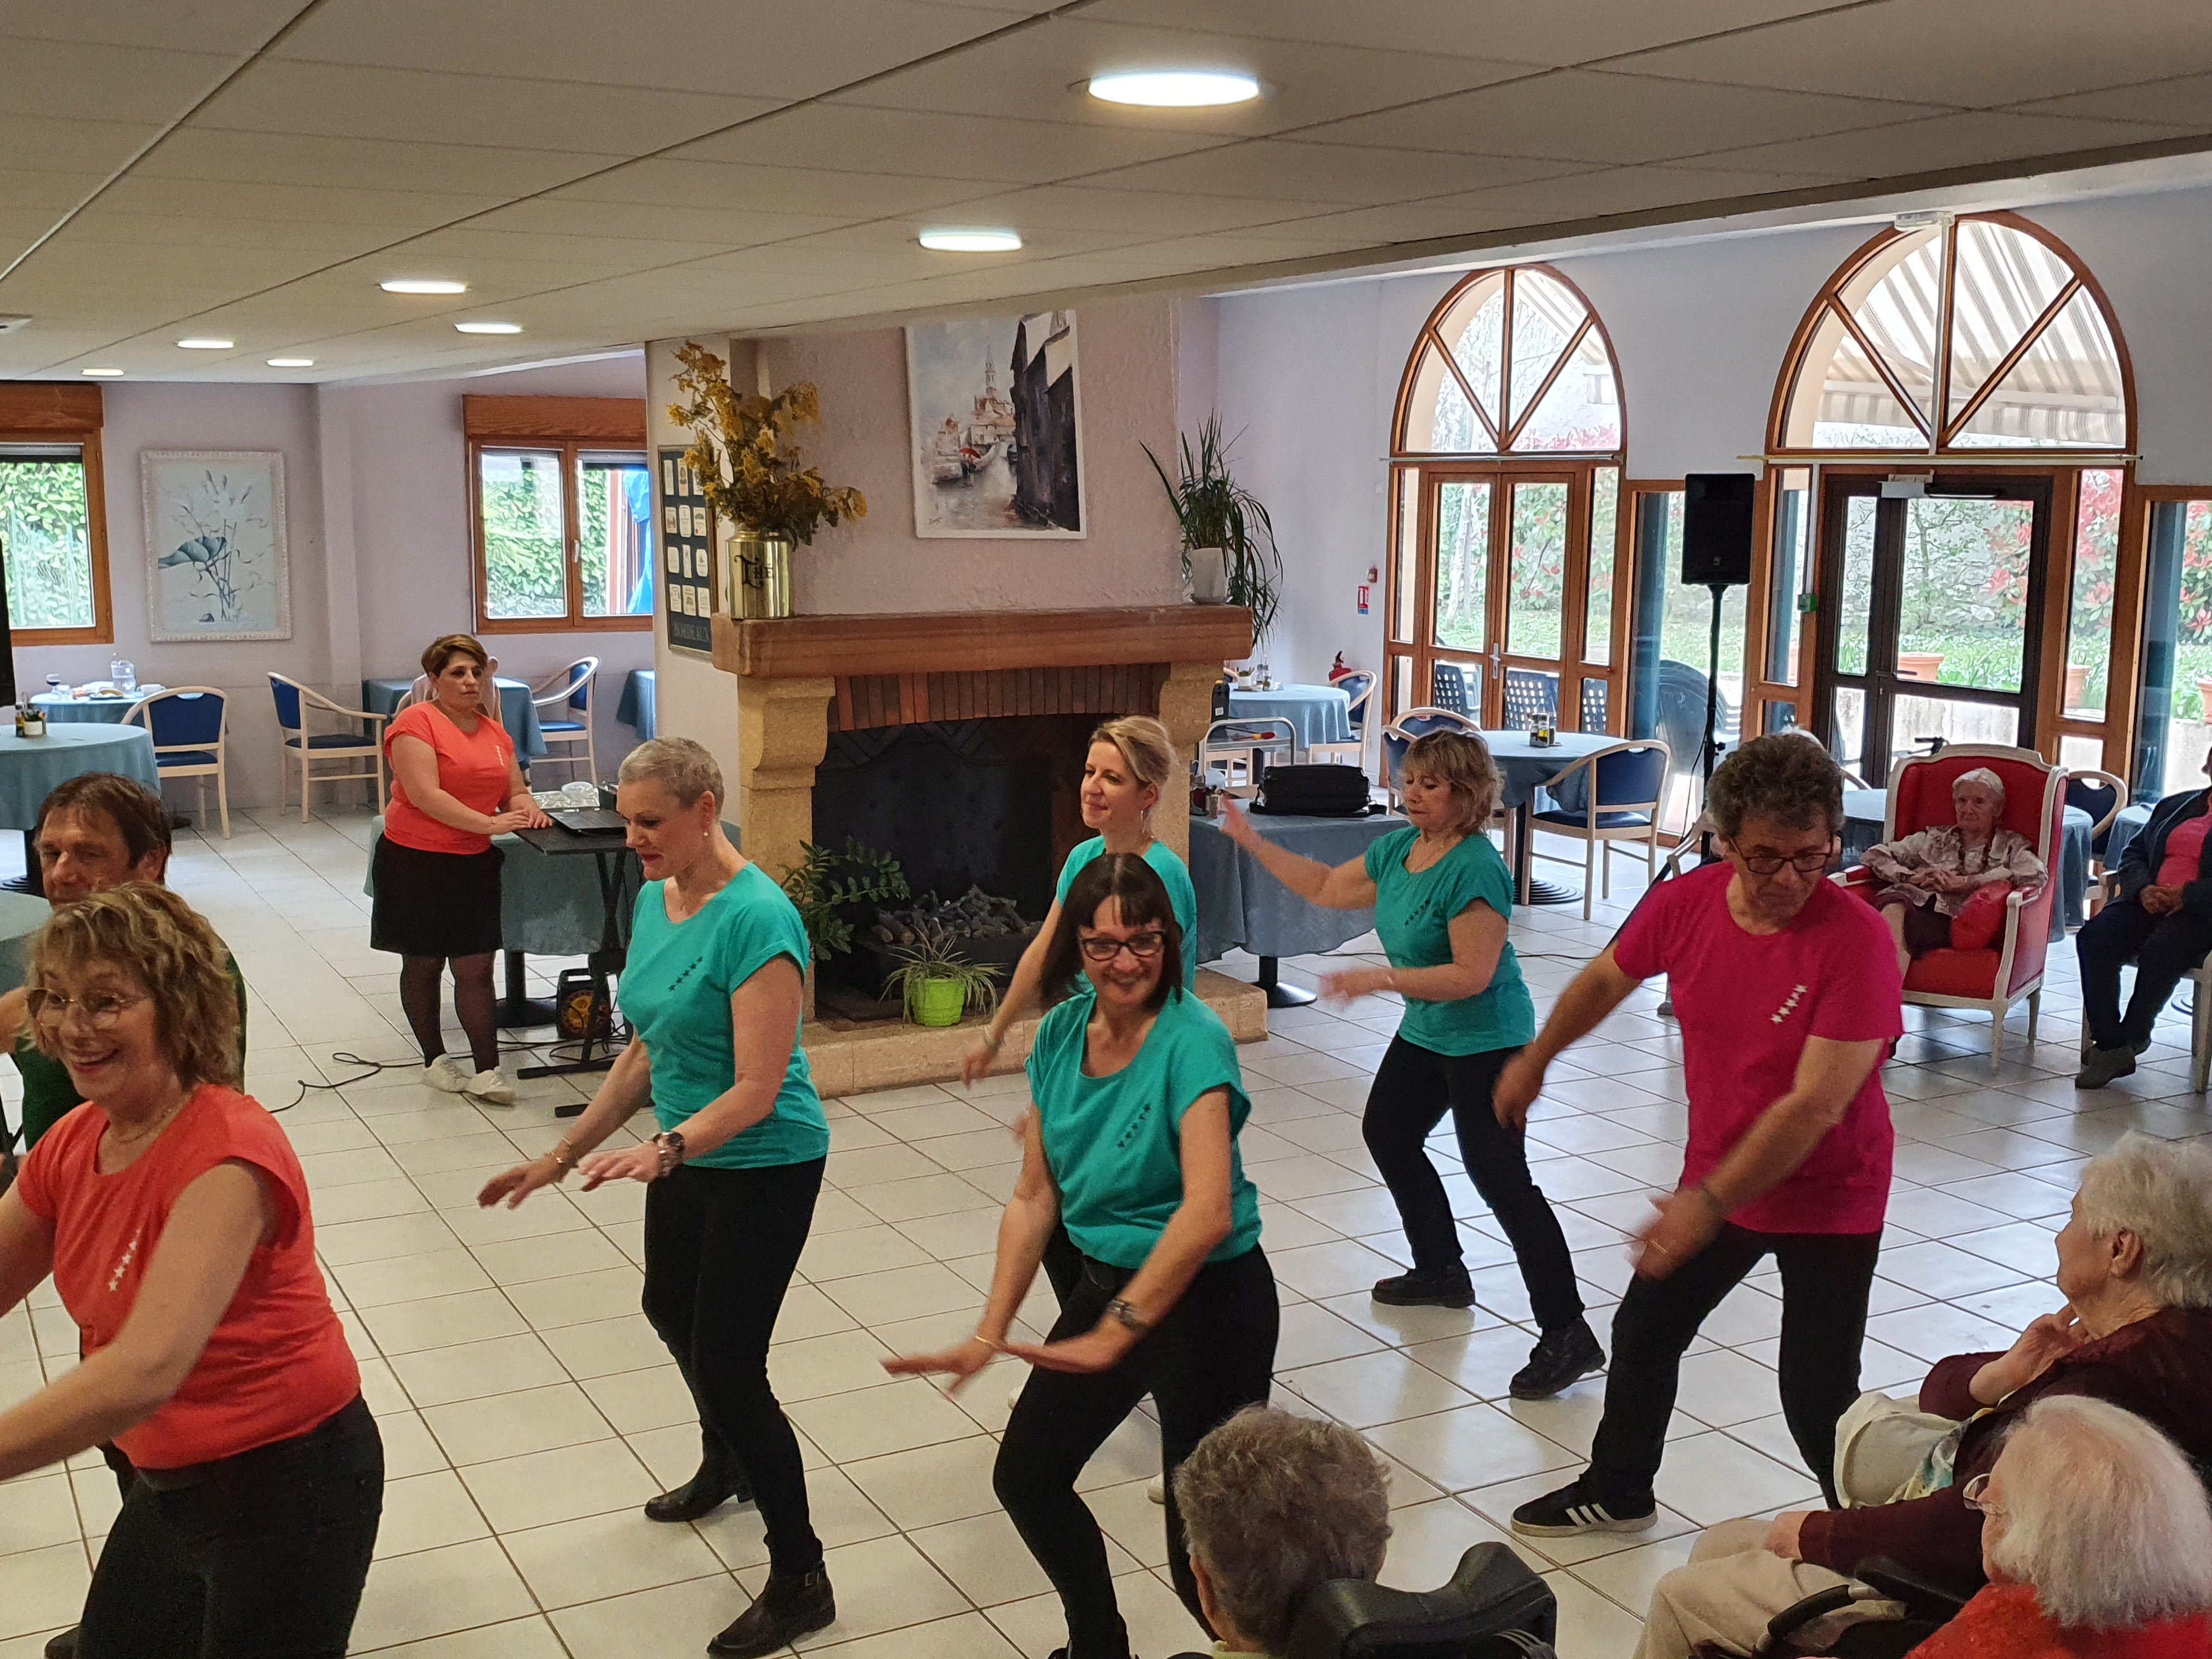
x: 499, y: 112
x: 1587, y: 116
x: 682, y: 184
x: 750, y: 48
x: 1974, y: 52
x: 399, y: 211
x: 1131, y: 212
x: 268, y: 158
x: 559, y: 214
x: 1977, y: 138
x: 2182, y: 103
x: 70, y: 146
x: 1350, y: 175
x: 612, y: 254
x: 75, y: 80
x: 1559, y: 33
x: 105, y: 223
x: 238, y: 26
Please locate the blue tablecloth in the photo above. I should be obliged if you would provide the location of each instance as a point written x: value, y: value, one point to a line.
x: 1525, y: 768
x: 516, y: 711
x: 22, y: 915
x: 1239, y: 904
x: 65, y: 710
x: 640, y: 708
x: 1318, y: 713
x: 1865, y: 811
x: 2130, y: 822
x: 31, y: 766
x: 548, y: 907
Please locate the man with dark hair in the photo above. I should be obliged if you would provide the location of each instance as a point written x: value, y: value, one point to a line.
x: 1787, y: 992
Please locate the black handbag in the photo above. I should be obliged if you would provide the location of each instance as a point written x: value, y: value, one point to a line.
x: 1319, y: 792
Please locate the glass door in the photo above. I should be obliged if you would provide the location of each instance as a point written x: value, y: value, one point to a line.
x: 1933, y: 611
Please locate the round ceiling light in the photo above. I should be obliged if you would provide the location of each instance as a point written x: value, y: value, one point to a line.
x: 488, y: 328
x: 1176, y: 88
x: 100, y: 373
x: 971, y: 241
x: 206, y: 345
x: 424, y: 285
x: 291, y: 362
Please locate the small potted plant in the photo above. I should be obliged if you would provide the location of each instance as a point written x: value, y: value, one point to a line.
x: 752, y: 478
x: 819, y: 891
x: 939, y: 984
x: 1229, y: 551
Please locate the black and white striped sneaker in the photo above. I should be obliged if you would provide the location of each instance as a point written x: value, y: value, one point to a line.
x: 1581, y: 1508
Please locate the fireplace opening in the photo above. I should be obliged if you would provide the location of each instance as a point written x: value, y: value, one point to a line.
x: 988, y: 805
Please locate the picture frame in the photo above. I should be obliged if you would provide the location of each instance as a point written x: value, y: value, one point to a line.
x: 218, y: 561
x: 993, y: 464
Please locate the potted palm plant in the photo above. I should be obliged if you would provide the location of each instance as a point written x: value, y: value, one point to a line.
x: 939, y: 983
x: 752, y: 477
x: 1228, y: 550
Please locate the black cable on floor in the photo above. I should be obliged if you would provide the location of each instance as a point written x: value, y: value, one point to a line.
x: 550, y: 1049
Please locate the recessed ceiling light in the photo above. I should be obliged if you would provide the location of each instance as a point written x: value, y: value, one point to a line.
x: 291, y: 362
x: 424, y: 285
x: 207, y: 345
x: 1176, y: 88
x: 972, y: 241
x: 100, y: 373
x: 488, y: 328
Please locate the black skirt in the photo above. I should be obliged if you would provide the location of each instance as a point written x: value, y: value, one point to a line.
x: 434, y: 904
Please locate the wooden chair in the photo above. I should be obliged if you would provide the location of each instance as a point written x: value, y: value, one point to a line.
x: 1612, y: 794
x: 1359, y: 687
x: 568, y: 696
x: 296, y: 745
x: 2101, y: 795
x: 190, y: 726
x: 1233, y: 744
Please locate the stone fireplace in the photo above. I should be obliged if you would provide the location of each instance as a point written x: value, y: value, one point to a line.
x: 1033, y: 679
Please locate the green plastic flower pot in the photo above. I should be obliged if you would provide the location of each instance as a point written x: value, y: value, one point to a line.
x: 937, y: 1002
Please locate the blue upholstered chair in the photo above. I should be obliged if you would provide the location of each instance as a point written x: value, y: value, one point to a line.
x: 297, y: 746
x: 1618, y: 790
x: 190, y: 725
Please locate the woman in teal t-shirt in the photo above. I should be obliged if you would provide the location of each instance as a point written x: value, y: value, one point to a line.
x: 712, y: 990
x: 1442, y: 897
x: 1133, y: 1144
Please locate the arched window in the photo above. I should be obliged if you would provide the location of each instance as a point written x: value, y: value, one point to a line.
x: 1505, y: 473
x: 1985, y: 335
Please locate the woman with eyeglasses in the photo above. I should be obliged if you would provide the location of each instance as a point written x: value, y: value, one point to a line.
x: 1442, y: 897
x: 1133, y: 1143
x: 1788, y: 994
x: 173, y: 1214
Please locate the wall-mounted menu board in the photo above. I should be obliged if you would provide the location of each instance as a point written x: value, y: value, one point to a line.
x: 687, y: 530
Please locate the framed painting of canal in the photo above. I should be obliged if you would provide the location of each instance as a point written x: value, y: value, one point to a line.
x: 997, y: 417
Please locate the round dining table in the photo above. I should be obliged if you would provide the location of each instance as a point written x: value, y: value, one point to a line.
x: 1524, y: 768
x: 61, y: 708
x: 30, y: 768
x: 1317, y: 713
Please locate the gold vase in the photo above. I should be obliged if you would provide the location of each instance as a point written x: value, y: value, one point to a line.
x: 760, y: 576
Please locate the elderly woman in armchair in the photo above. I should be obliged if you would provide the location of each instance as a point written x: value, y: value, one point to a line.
x: 1930, y: 877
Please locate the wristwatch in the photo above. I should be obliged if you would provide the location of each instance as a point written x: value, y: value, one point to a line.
x: 669, y: 1143
x: 1124, y: 1313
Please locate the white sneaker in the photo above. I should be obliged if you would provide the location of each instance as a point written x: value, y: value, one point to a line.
x: 489, y: 1088
x: 445, y: 1073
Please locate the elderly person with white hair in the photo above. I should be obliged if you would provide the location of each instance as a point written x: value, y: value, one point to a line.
x: 2097, y: 1539
x: 2135, y: 1265
x: 1929, y: 876
x: 1273, y: 1505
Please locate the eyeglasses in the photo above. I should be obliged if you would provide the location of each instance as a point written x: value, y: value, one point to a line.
x: 1805, y: 864
x: 1143, y: 946
x: 102, y: 1009
x: 1970, y: 1496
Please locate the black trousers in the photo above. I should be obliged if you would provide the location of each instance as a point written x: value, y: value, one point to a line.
x: 2162, y: 948
x: 1825, y: 1279
x: 720, y: 1246
x: 1413, y: 1088
x: 260, y: 1556
x: 1211, y: 1356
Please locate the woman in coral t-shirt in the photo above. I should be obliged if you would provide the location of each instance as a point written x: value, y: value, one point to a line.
x: 435, y: 873
x: 174, y: 1219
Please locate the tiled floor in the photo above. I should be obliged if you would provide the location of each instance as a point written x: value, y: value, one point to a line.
x: 527, y: 1410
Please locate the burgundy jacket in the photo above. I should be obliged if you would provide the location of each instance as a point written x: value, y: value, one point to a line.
x: 2159, y: 1368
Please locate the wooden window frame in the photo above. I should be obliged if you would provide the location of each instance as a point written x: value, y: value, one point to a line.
x: 569, y: 427
x: 50, y: 414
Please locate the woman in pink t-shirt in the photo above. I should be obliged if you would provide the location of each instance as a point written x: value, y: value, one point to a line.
x: 1788, y: 993
x: 2162, y: 922
x: 435, y: 873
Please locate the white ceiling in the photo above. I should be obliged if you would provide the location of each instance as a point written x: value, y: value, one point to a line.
x: 251, y: 169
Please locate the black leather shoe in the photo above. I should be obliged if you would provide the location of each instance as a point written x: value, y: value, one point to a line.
x: 1420, y: 1289
x: 702, y: 1494
x: 63, y: 1645
x: 788, y: 1608
x: 1559, y: 1358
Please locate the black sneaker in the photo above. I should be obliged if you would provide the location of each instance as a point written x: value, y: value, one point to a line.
x: 706, y: 1492
x: 2104, y: 1065
x: 1452, y: 1288
x: 788, y: 1608
x: 1559, y: 1358
x: 1581, y: 1508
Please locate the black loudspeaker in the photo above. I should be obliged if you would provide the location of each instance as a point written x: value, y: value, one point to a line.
x: 1717, y: 528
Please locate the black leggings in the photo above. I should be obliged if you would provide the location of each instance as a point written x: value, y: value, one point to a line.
x: 1825, y: 1279
x: 474, y: 1001
x: 720, y: 1246
x: 260, y: 1556
x: 1211, y: 1356
x: 1413, y: 1088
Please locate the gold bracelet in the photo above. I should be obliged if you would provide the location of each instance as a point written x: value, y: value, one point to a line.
x: 568, y: 1147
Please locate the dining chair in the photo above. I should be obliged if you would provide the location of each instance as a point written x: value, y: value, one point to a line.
x: 1594, y: 706
x: 2101, y: 795
x: 1233, y: 744
x: 568, y: 696
x: 1532, y: 699
x: 424, y: 691
x: 1359, y: 686
x: 1447, y: 689
x: 190, y: 726
x: 1617, y: 791
x: 295, y: 744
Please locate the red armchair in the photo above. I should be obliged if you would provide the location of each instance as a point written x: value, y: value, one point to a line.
x: 2011, y: 968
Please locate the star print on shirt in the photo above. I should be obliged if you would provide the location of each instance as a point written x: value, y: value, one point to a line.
x: 123, y: 1265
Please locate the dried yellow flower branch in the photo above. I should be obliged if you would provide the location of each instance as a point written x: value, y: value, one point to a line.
x: 751, y: 475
